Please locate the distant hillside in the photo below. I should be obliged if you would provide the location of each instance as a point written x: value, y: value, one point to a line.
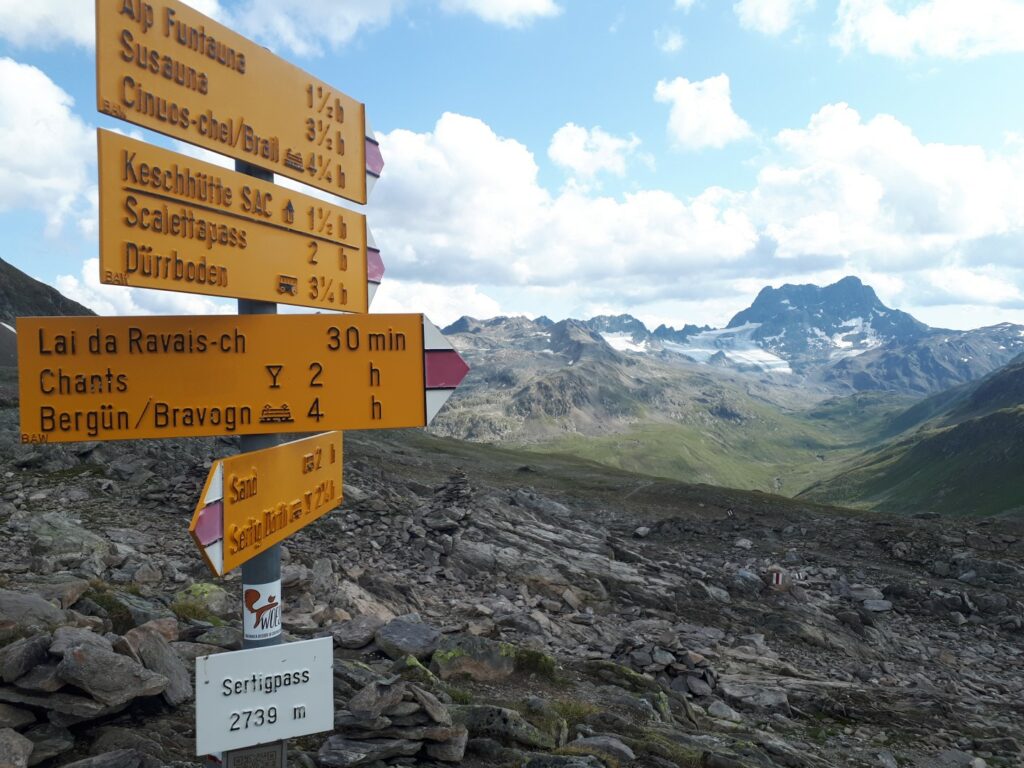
x: 24, y: 296
x: 8, y: 346
x: 565, y: 387
x: 961, y: 452
x: 929, y: 364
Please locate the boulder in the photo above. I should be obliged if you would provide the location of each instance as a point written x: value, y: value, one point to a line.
x: 12, y: 717
x: 356, y: 633
x: 371, y: 701
x: 752, y: 696
x: 65, y: 638
x: 14, y: 749
x: 126, y: 610
x: 435, y: 710
x: 357, y: 601
x: 110, y: 678
x: 58, y: 542
x: 157, y: 656
x: 228, y: 638
x: 79, y: 707
x: 606, y: 745
x: 48, y: 741
x: 43, y: 678
x: 24, y: 613
x: 21, y: 656
x: 453, y: 750
x: 339, y: 752
x: 401, y: 637
x: 61, y: 588
x: 121, y: 758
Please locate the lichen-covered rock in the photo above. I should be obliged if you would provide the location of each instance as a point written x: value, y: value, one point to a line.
x: 208, y: 597
x: 476, y: 658
x: 505, y: 725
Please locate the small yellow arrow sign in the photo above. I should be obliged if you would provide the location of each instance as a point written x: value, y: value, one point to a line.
x: 255, y: 500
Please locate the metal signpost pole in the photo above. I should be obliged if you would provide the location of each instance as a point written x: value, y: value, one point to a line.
x: 265, y: 568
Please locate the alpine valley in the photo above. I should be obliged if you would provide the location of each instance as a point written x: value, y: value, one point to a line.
x: 505, y: 604
x: 817, y: 391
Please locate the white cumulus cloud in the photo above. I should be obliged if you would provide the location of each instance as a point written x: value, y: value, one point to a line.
x: 685, y: 5
x: 669, y: 40
x: 304, y: 27
x: 844, y: 186
x: 48, y: 149
x: 954, y: 29
x: 443, y: 304
x: 701, y: 112
x: 770, y: 17
x: 462, y: 206
x: 588, y: 152
x: 508, y: 13
x: 47, y: 24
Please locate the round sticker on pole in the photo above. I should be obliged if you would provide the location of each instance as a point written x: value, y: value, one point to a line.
x: 261, y: 611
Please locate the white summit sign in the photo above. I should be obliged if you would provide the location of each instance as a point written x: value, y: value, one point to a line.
x: 259, y: 695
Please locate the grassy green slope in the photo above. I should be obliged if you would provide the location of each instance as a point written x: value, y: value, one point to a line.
x: 961, y: 452
x: 971, y: 468
x: 763, y: 448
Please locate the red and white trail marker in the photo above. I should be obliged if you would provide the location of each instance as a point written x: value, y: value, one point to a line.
x: 443, y: 368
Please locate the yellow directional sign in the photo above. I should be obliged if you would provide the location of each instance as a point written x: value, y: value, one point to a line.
x: 167, y: 67
x: 175, y: 223
x: 112, y: 378
x: 255, y: 500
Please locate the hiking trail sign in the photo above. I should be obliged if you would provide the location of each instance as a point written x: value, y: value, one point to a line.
x: 259, y: 695
x: 119, y: 378
x: 165, y: 66
x: 171, y: 222
x: 254, y: 500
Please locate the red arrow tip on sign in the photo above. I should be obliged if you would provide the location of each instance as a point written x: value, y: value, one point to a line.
x: 374, y: 159
x: 445, y: 369
x: 374, y: 265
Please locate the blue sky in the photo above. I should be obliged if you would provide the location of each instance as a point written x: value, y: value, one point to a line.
x: 572, y: 157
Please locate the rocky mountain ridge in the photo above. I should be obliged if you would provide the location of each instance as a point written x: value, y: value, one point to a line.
x: 24, y: 296
x: 840, y: 337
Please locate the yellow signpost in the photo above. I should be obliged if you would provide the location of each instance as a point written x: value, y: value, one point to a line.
x: 175, y: 223
x: 255, y: 500
x: 116, y: 378
x: 165, y: 66
x: 170, y: 222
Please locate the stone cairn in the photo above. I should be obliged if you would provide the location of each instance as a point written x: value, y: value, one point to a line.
x: 675, y: 669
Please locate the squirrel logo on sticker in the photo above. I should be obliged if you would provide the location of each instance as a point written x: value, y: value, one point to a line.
x: 261, y: 620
